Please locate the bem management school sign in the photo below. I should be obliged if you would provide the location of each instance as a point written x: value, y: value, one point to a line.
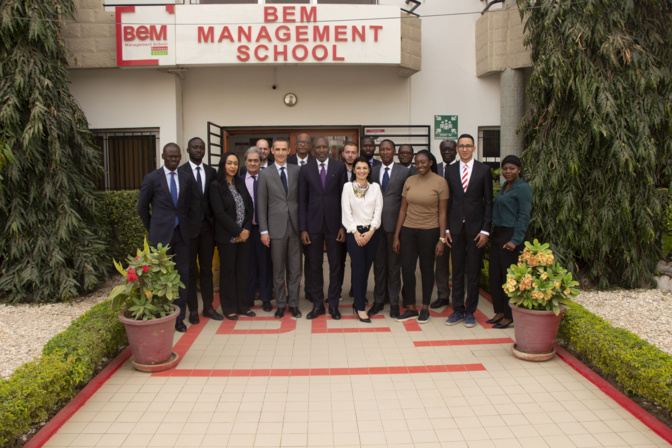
x: 181, y: 35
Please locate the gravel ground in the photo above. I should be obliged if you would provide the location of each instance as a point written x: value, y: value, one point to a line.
x: 645, y: 312
x: 25, y: 329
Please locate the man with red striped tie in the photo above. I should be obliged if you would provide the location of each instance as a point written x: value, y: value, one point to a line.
x: 469, y: 216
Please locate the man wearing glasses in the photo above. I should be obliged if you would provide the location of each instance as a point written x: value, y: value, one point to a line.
x: 469, y: 216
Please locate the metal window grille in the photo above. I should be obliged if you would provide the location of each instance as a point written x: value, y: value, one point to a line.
x: 127, y: 156
x: 488, y: 144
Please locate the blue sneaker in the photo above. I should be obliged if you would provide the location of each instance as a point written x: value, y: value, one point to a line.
x: 469, y: 320
x: 455, y: 318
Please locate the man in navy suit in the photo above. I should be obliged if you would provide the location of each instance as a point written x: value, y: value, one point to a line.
x: 202, y: 246
x: 175, y: 210
x: 320, y: 186
x: 469, y: 216
x: 368, y: 149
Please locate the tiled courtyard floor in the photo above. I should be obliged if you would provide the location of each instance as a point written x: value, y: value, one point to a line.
x: 300, y: 383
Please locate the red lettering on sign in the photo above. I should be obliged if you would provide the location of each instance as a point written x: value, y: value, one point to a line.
x: 356, y: 32
x: 302, y: 33
x: 282, y: 33
x: 375, y: 29
x: 270, y: 14
x: 243, y: 53
x: 276, y: 52
x: 325, y: 52
x: 142, y: 33
x: 247, y: 34
x: 288, y: 14
x: 161, y: 35
x: 308, y: 14
x: 225, y: 34
x: 204, y: 36
x: 256, y: 52
x: 129, y: 33
x: 339, y: 33
x: 321, y: 34
x: 302, y: 48
x: 263, y: 34
x: 335, y: 56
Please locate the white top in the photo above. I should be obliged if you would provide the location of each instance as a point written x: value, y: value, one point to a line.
x: 364, y: 211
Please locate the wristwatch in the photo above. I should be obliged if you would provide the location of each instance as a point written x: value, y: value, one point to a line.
x: 443, y: 240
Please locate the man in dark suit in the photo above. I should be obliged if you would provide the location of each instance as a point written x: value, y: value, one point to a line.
x: 448, y: 149
x: 175, y: 210
x: 368, y: 150
x: 278, y: 210
x: 469, y: 217
x: 201, y: 247
x: 387, y: 264
x: 320, y: 187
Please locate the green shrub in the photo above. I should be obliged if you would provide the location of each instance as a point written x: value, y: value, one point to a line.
x: 640, y: 367
x: 125, y: 229
x: 38, y: 389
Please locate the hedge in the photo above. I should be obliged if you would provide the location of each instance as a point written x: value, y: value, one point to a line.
x: 638, y: 366
x: 125, y: 229
x: 38, y: 389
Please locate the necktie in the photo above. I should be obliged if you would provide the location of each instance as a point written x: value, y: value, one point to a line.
x: 283, y: 178
x: 199, y: 181
x: 386, y: 178
x: 173, y: 194
x: 465, y: 178
x: 323, y: 175
x: 303, y: 162
x: 254, y: 197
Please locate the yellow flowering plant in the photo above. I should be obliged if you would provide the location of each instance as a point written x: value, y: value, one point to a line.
x: 537, y: 282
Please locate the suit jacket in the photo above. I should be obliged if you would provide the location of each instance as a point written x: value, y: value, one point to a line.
x: 208, y: 175
x: 224, y: 210
x: 294, y: 160
x: 376, y: 163
x: 321, y: 206
x: 470, y: 211
x: 160, y: 222
x: 392, y: 195
x: 274, y: 205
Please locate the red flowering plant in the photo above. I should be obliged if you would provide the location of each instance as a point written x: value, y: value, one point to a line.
x: 152, y: 284
x: 537, y: 282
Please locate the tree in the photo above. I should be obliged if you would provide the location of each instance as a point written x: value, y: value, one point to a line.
x: 50, y: 242
x: 597, y: 134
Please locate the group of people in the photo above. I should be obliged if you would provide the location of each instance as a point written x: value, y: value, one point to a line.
x: 270, y: 210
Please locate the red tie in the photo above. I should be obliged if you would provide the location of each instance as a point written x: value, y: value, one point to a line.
x: 465, y: 178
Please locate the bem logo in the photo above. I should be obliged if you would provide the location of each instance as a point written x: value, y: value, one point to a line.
x: 143, y: 32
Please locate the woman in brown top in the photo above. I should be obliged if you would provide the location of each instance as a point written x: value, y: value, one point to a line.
x: 420, y: 231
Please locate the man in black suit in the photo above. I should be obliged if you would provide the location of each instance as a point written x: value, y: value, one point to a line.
x: 469, y: 219
x: 175, y: 210
x: 448, y: 149
x: 387, y: 264
x: 368, y: 150
x: 201, y: 247
x: 320, y: 187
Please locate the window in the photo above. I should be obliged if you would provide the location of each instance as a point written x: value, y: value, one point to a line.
x: 127, y: 157
x: 488, y: 146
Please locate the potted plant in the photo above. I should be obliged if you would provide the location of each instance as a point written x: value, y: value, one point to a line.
x: 145, y: 304
x: 538, y: 289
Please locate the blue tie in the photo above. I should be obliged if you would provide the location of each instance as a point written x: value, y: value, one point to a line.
x: 173, y: 194
x: 283, y: 178
x: 386, y: 179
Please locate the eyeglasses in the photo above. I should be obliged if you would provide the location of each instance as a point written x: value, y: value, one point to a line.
x: 465, y: 146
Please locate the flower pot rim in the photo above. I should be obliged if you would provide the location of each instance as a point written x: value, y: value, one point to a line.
x: 527, y: 310
x: 128, y: 321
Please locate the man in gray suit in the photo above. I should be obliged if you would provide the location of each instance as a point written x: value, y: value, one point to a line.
x: 387, y: 264
x: 278, y: 209
x: 448, y: 150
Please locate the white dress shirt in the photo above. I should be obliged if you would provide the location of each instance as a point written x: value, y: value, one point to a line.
x: 193, y: 169
x: 299, y: 160
x: 365, y: 211
x: 382, y: 171
x: 177, y: 179
x: 326, y: 165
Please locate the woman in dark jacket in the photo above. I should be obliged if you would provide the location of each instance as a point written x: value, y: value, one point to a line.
x: 233, y: 209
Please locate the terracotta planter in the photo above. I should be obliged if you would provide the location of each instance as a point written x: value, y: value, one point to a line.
x: 151, y: 341
x: 535, y: 332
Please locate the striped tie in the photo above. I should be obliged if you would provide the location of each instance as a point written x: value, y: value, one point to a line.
x: 465, y: 178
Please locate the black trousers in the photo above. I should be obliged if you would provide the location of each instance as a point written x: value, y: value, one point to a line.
x: 180, y: 249
x: 466, y: 256
x: 234, y: 259
x: 334, y: 248
x: 500, y: 261
x: 201, y: 248
x: 260, y: 269
x: 386, y: 271
x: 361, y: 259
x: 307, y: 271
x: 418, y: 243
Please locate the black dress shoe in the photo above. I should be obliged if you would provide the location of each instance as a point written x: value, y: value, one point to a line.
x: 179, y: 326
x: 193, y: 317
x: 212, y: 314
x: 295, y: 311
x: 232, y: 316
x: 439, y: 303
x: 334, y: 313
x: 280, y: 313
x: 249, y: 313
x: 394, y: 312
x: 493, y: 320
x: 267, y: 306
x: 503, y: 325
x: 375, y: 309
x: 315, y: 312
